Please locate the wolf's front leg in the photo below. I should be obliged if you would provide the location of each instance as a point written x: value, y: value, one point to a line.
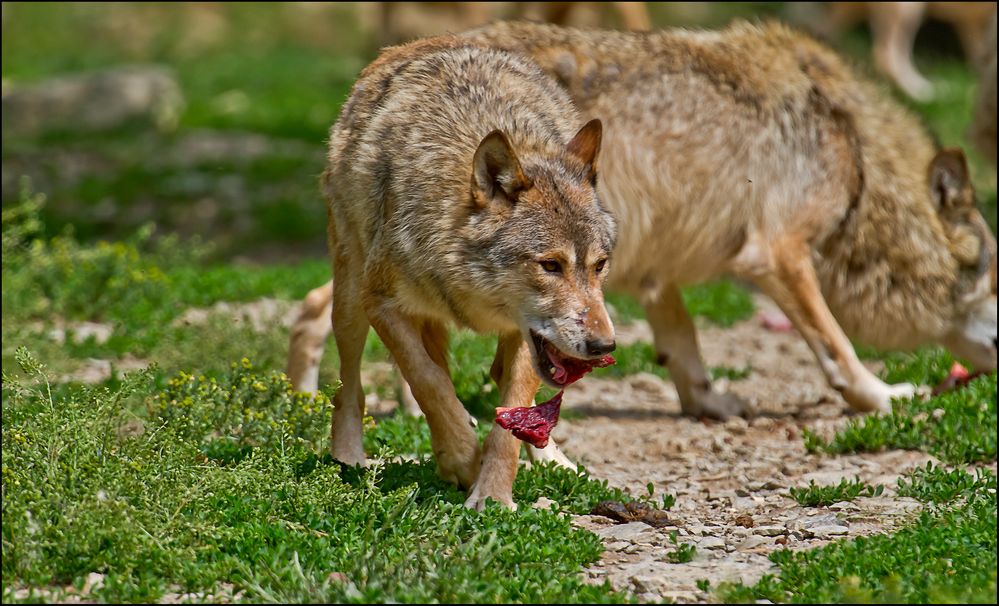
x: 518, y: 383
x: 792, y: 284
x: 454, y: 442
x: 350, y: 326
x: 676, y: 345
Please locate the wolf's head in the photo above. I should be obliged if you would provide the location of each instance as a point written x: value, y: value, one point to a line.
x: 542, y: 241
x: 972, y: 331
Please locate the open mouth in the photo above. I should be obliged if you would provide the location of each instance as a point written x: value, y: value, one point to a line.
x: 558, y: 369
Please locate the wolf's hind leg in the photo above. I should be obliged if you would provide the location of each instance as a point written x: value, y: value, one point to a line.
x: 518, y: 382
x: 677, y: 348
x: 792, y: 283
x: 452, y: 438
x: 350, y: 328
x: 308, y: 338
x: 894, y: 26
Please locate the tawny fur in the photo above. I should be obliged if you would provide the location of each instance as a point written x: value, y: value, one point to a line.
x: 457, y: 183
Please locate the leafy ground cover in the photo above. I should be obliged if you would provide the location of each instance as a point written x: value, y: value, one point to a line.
x: 946, y: 554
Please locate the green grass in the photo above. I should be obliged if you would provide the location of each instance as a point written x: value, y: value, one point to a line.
x: 948, y: 552
x: 948, y: 426
x: 224, y: 485
x: 227, y: 483
x: 814, y: 495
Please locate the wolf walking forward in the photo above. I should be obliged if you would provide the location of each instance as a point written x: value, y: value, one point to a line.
x: 756, y: 151
x: 461, y: 193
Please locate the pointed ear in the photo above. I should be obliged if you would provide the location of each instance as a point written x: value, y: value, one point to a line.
x: 586, y: 145
x: 496, y: 172
x: 949, y: 180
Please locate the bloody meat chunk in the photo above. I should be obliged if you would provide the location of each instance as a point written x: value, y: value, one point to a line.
x: 532, y: 424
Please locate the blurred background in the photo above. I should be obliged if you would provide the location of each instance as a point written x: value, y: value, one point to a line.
x: 207, y: 120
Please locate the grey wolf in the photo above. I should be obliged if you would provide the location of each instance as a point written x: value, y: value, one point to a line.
x: 461, y: 192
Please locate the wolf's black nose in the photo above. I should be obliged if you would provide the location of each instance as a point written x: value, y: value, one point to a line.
x: 597, y: 347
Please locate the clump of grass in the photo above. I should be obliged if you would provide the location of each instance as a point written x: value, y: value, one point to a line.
x: 224, y: 483
x: 140, y: 285
x: 684, y: 552
x: 814, y: 495
x: 934, y: 484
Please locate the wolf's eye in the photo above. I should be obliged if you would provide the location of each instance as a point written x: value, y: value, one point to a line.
x: 552, y: 266
x: 599, y: 267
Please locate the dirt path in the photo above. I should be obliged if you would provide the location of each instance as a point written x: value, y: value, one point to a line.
x: 730, y: 479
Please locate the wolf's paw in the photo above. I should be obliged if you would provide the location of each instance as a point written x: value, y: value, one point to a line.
x: 550, y: 453
x: 348, y: 452
x: 484, y: 490
x: 459, y: 465
x: 877, y: 396
x: 715, y: 405
x: 907, y: 390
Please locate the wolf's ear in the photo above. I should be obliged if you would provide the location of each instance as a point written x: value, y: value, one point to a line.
x: 950, y: 184
x: 586, y: 145
x: 496, y: 172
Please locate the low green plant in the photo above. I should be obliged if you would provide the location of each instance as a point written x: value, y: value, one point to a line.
x: 684, y: 552
x: 946, y: 554
x: 948, y: 426
x: 225, y: 481
x: 935, y: 484
x: 814, y: 495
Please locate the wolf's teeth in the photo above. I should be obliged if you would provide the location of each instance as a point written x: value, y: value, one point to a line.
x: 552, y: 371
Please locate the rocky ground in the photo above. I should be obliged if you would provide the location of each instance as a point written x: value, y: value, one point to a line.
x: 730, y: 479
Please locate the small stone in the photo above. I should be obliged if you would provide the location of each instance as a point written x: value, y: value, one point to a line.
x: 751, y: 542
x: 633, y: 532
x: 711, y: 543
x: 770, y: 531
x: 618, y: 545
x: 95, y: 581
x: 828, y: 531
x: 736, y: 425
